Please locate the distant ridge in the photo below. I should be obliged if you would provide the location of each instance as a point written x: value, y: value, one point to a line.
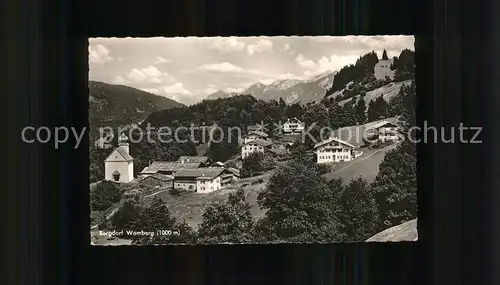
x: 117, y: 105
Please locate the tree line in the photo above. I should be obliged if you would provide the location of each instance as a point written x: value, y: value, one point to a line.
x: 327, y: 113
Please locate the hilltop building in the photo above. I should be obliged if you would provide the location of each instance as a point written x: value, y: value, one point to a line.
x: 119, y: 165
x: 383, y: 69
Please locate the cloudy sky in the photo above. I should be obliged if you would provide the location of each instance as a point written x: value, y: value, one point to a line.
x: 188, y: 69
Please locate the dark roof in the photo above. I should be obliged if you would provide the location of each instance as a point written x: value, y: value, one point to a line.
x: 332, y: 139
x: 195, y: 159
x: 294, y: 120
x: 234, y: 171
x: 258, y: 133
x: 122, y: 152
x: 381, y: 124
x: 169, y: 166
x: 202, y: 172
x: 259, y: 142
x: 159, y: 176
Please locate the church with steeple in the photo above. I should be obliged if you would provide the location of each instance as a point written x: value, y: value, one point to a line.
x: 119, y: 165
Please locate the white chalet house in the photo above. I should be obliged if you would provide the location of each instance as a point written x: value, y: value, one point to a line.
x: 383, y: 69
x: 334, y: 150
x: 119, y: 165
x: 254, y: 135
x: 258, y: 145
x: 293, y: 126
x: 384, y: 131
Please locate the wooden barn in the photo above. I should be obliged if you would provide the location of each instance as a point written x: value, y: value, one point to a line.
x: 158, y: 180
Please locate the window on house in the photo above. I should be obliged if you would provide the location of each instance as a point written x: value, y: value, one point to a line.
x: 116, y: 176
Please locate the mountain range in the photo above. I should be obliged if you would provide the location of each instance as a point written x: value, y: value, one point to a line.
x: 117, y: 105
x: 291, y: 90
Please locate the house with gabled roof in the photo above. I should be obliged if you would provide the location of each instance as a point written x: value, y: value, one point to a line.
x: 333, y: 150
x: 167, y: 167
x: 254, y: 135
x: 293, y: 126
x: 203, y: 180
x: 384, y: 131
x: 258, y: 145
x: 202, y: 160
x: 119, y: 165
x: 157, y: 180
x: 361, y: 135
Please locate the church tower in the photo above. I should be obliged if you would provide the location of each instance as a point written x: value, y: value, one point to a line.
x: 119, y: 165
x: 123, y: 142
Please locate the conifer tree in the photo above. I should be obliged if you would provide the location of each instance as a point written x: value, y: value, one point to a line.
x: 384, y: 55
x: 360, y: 110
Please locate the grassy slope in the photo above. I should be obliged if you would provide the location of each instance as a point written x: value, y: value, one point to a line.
x: 388, y: 92
x: 190, y: 206
x: 365, y: 166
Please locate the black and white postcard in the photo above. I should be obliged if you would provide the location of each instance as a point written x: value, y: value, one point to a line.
x: 252, y: 140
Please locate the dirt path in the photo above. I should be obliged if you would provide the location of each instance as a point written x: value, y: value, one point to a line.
x: 155, y: 193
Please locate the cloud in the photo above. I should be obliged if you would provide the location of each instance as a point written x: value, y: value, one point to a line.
x: 286, y: 47
x: 260, y: 46
x: 267, y: 81
x: 225, y: 45
x: 305, y: 63
x: 234, y: 90
x: 332, y: 63
x: 224, y: 67
x: 160, y: 59
x: 99, y: 54
x: 119, y: 80
x: 149, y: 75
x: 177, y: 88
x: 324, y: 39
x: 176, y: 92
x: 210, y: 90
